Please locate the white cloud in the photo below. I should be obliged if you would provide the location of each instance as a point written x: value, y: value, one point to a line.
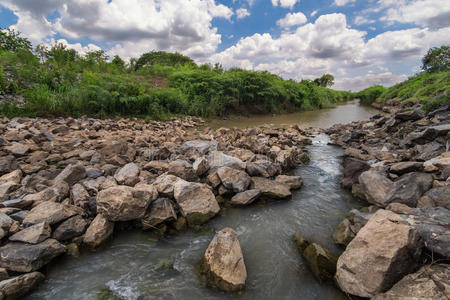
x: 292, y: 19
x: 77, y: 46
x: 342, y: 2
x: 285, y: 3
x: 360, y: 20
x: 242, y: 13
x: 361, y: 82
x: 314, y: 13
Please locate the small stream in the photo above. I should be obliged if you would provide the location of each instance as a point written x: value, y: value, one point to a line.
x: 134, y: 264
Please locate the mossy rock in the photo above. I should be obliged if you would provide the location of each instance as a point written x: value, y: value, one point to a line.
x: 321, y: 262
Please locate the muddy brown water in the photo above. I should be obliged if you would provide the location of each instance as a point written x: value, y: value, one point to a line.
x: 140, y: 265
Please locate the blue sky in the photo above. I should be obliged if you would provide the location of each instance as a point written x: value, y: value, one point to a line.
x: 360, y: 42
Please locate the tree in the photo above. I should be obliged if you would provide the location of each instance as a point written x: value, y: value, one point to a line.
x: 162, y: 58
x: 325, y: 80
x: 10, y: 40
x: 117, y: 61
x: 437, y: 59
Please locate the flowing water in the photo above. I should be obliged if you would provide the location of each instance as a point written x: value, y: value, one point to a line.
x: 138, y: 265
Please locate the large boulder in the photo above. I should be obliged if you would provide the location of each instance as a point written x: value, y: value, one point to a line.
x: 430, y: 282
x: 234, y: 180
x: 33, y: 234
x: 271, y: 188
x: 409, y: 188
x: 70, y: 228
x: 245, y: 198
x: 439, y: 196
x: 80, y: 196
x: 72, y: 174
x: 263, y: 167
x: 375, y: 187
x: 128, y: 174
x: 294, y: 182
x: 223, y: 262
x: 21, y: 257
x: 219, y: 159
x: 197, y: 202
x: 199, y: 147
x: 99, y: 231
x: 123, y: 203
x: 406, y: 167
x: 51, y: 212
x: 160, y: 210
x: 55, y: 193
x: 182, y: 169
x: 18, y: 286
x: 165, y: 183
x: 382, y: 252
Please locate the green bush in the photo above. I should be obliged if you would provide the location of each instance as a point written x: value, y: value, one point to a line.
x: 369, y: 95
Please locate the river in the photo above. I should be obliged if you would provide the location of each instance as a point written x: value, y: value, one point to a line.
x: 138, y: 265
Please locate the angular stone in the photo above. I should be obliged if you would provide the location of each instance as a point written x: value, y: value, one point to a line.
x: 33, y: 234
x: 157, y: 166
x: 13, y: 177
x: 406, y: 167
x: 128, y: 174
x: 21, y: 257
x: 196, y: 201
x: 18, y: 286
x: 7, y: 188
x: 271, y: 188
x: 165, y: 183
x: 375, y: 187
x: 262, y: 167
x: 409, y: 188
x: 55, y: 193
x: 198, y: 147
x: 353, y: 167
x: 17, y: 203
x: 5, y: 221
x: 182, y: 169
x: 98, y: 231
x: 18, y: 149
x: 51, y: 212
x: 245, y: 198
x: 70, y: 228
x: 123, y: 203
x: 160, y: 210
x: 232, y: 179
x: 200, y: 166
x: 439, y: 196
x: 294, y: 182
x: 72, y: 174
x: 223, y: 262
x: 79, y: 196
x: 382, y: 252
x: 219, y: 159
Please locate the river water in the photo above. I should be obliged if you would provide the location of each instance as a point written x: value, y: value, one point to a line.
x: 137, y: 265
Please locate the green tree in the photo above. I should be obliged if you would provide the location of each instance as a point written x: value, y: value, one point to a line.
x: 10, y: 40
x: 162, y: 58
x: 325, y: 81
x: 437, y: 59
x: 118, y: 62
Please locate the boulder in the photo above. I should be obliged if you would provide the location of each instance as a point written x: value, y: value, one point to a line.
x: 199, y: 147
x: 182, y: 169
x: 375, y: 187
x: 219, y: 159
x: 439, y: 196
x: 156, y: 154
x: 223, y: 263
x: 197, y: 202
x: 165, y: 183
x: 98, y: 231
x: 70, y: 228
x: 128, y: 174
x: 6, y: 164
x: 350, y: 226
x: 410, y: 115
x: 382, y: 252
x: 13, y: 177
x: 18, y: 149
x: 430, y: 282
x: 16, y: 203
x: 160, y: 210
x: 123, y: 203
x: 271, y: 188
x: 55, y: 193
x: 157, y: 166
x: 79, y: 196
x: 353, y: 167
x: 72, y: 174
x: 22, y: 257
x: 263, y: 167
x: 245, y: 198
x: 51, y: 212
x: 294, y: 182
x: 409, y: 188
x: 406, y: 167
x: 33, y: 234
x: 16, y: 287
x: 5, y: 221
x: 200, y: 166
x: 7, y: 188
x: 235, y: 180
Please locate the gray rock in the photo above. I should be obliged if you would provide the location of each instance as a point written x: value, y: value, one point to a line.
x: 79, y: 196
x: 51, y: 212
x: 262, y: 167
x: 294, y: 182
x: 6, y: 163
x: 182, y: 169
x: 165, y: 183
x: 353, y: 167
x: 219, y: 159
x: 439, y: 196
x: 55, y: 193
x: 128, y: 174
x: 375, y: 187
x: 410, y: 115
x: 21, y: 257
x: 233, y: 179
x: 17, y: 203
x: 72, y: 174
x: 70, y: 228
x: 200, y: 166
x: 18, y: 286
x: 245, y: 198
x: 406, y: 167
x: 198, y: 147
x: 160, y: 210
x: 409, y: 188
x: 18, y: 149
x: 33, y: 234
x: 271, y: 188
x: 98, y: 232
x: 5, y: 221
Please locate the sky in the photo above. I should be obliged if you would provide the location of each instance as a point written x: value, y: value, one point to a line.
x: 360, y: 42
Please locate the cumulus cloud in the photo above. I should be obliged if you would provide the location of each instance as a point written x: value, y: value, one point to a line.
x: 361, y: 82
x: 314, y: 13
x: 242, y: 13
x: 292, y: 19
x: 285, y: 3
x: 360, y: 20
x: 77, y: 46
x: 342, y: 2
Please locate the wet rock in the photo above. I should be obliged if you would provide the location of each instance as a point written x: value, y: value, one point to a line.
x: 161, y: 210
x: 350, y: 226
x: 320, y: 260
x: 72, y: 174
x: 223, y: 262
x: 200, y: 166
x: 55, y: 193
x: 182, y: 169
x: 18, y: 286
x: 409, y: 188
x: 245, y: 198
x: 382, y: 252
x: 99, y: 231
x: 128, y: 174
x: 198, y: 147
x: 406, y: 167
x: 219, y: 159
x: 196, y: 201
x: 33, y: 234
x: 439, y: 196
x: 51, y: 212
x: 271, y: 188
x: 70, y: 228
x: 21, y: 257
x: 233, y: 179
x: 353, y: 167
x: 123, y: 203
x: 375, y: 187
x: 430, y: 282
x: 294, y: 182
x: 263, y: 167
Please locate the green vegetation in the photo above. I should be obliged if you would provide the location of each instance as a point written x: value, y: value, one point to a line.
x: 58, y: 81
x: 325, y: 81
x: 369, y: 95
x: 437, y: 60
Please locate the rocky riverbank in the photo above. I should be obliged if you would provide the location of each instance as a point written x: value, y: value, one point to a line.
x: 399, y: 246
x: 70, y: 183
